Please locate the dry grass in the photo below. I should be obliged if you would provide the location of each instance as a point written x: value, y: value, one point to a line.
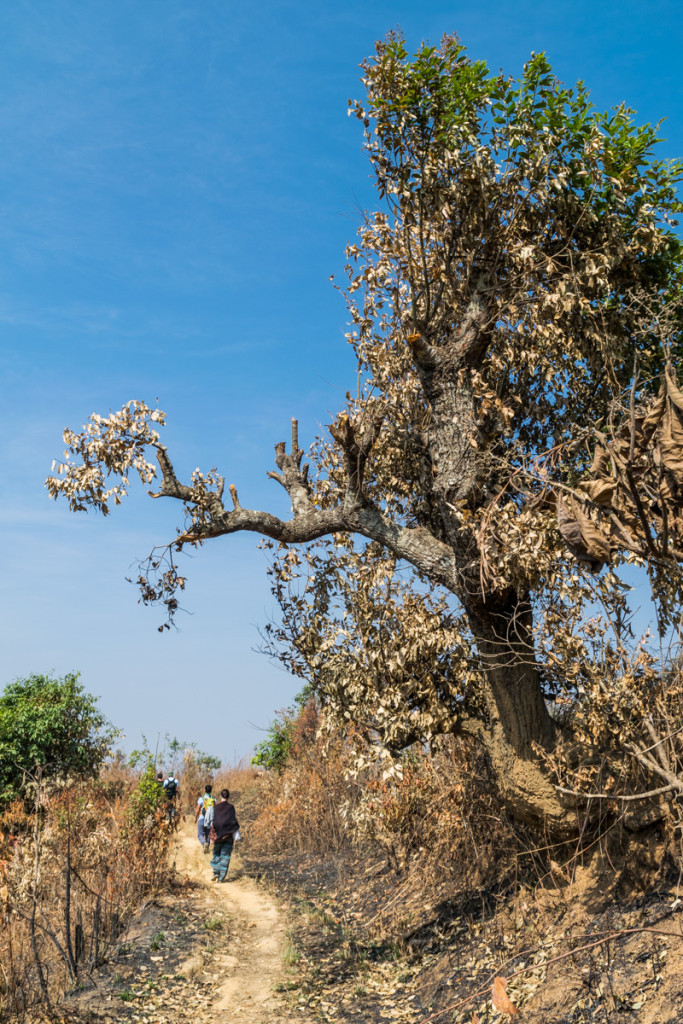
x: 440, y: 893
x: 431, y: 833
x: 73, y: 869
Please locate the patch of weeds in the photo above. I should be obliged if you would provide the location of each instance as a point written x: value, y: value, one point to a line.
x: 213, y: 924
x: 127, y: 995
x: 286, y: 986
x: 378, y: 951
x: 209, y: 949
x: 325, y: 921
x: 350, y: 951
x: 118, y: 978
x: 360, y: 990
x: 179, y: 919
x: 158, y: 941
x: 290, y: 954
x: 124, y: 949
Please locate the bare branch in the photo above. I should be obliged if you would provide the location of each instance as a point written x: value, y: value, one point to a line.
x: 655, y: 767
x: 170, y: 485
x: 631, y: 798
x: 291, y: 476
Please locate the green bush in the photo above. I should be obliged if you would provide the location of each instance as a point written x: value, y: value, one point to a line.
x: 148, y: 796
x: 52, y: 728
x: 276, y: 749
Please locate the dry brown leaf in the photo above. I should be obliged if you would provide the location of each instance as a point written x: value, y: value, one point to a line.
x: 600, y: 491
x: 581, y: 535
x: 500, y: 998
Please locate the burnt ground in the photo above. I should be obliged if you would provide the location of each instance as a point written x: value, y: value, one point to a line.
x: 345, y: 941
x: 580, y: 944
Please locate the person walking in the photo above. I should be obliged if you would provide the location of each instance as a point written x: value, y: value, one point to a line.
x: 204, y: 814
x: 171, y: 787
x: 225, y: 826
x: 200, y: 829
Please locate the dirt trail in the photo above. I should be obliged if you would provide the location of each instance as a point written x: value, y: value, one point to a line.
x: 251, y: 964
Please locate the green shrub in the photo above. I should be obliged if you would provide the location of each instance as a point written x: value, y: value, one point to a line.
x: 52, y: 728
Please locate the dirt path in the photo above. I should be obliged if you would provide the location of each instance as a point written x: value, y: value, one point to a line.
x: 248, y: 966
x: 200, y: 954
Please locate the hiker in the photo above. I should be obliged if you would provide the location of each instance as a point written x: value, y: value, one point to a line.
x: 171, y: 794
x: 171, y: 787
x: 202, y: 813
x: 204, y: 801
x: 223, y: 834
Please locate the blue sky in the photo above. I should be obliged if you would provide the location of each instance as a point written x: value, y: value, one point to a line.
x: 178, y: 180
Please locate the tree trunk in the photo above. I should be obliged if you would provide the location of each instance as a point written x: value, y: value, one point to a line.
x: 506, y: 649
x: 518, y: 717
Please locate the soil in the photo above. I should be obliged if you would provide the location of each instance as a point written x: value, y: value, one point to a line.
x: 577, y: 946
x: 302, y: 938
x: 207, y: 952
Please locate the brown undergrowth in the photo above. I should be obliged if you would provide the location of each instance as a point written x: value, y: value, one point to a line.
x: 75, y: 864
x: 412, y: 891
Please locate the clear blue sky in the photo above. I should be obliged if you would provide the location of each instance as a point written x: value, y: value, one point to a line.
x: 178, y: 180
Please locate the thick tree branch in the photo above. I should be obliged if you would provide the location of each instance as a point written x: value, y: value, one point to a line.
x: 472, y: 338
x: 416, y: 545
x: 356, y: 438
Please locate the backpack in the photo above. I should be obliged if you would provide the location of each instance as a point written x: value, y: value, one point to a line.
x: 171, y: 788
x: 209, y: 801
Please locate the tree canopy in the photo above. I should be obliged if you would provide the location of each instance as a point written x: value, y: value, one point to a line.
x: 516, y: 436
x: 50, y: 727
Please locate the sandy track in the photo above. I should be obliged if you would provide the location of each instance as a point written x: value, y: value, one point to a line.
x: 249, y: 966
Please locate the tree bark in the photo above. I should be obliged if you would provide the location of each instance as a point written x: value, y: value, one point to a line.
x: 518, y: 719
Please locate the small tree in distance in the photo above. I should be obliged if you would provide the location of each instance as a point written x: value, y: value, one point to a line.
x: 516, y: 436
x: 51, y: 726
x: 291, y: 727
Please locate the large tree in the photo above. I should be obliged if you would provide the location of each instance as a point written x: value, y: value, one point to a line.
x: 514, y: 312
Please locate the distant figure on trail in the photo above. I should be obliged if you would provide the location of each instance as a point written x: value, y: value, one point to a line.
x: 171, y: 787
x: 225, y: 826
x: 204, y: 816
x: 171, y: 795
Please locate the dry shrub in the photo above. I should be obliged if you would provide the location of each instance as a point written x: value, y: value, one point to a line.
x: 432, y: 813
x: 193, y: 779
x: 73, y: 869
x: 238, y: 780
x: 433, y: 818
x: 438, y: 817
x: 305, y: 807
